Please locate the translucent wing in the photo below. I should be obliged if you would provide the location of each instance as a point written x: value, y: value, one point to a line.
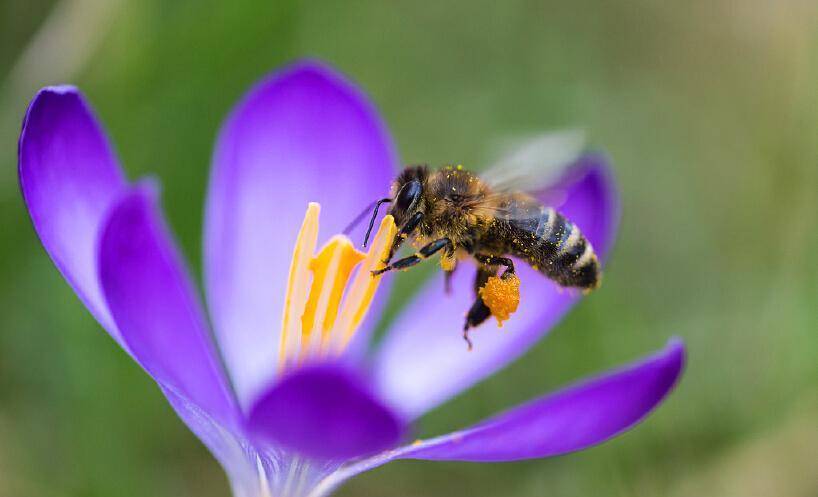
x: 535, y: 163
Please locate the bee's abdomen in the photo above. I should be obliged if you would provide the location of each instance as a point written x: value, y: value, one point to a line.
x: 555, y: 246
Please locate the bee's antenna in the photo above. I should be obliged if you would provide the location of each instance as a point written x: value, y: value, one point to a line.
x: 360, y: 217
x: 374, y: 215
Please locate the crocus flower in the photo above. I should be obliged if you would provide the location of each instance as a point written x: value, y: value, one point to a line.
x: 283, y: 389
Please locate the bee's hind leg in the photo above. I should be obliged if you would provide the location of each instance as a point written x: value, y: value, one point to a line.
x: 478, y: 312
x: 475, y: 317
x: 493, y: 260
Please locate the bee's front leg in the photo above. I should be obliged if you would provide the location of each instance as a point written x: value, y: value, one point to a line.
x: 405, y: 231
x: 428, y: 250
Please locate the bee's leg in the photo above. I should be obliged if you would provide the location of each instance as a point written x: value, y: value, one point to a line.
x: 407, y: 262
x: 448, y: 262
x: 447, y: 281
x: 478, y: 312
x: 484, y: 272
x: 404, y: 233
x: 492, y: 260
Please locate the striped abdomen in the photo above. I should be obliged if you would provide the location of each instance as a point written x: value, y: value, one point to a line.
x: 555, y: 246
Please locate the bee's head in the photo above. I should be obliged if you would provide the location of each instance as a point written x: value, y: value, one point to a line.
x: 407, y: 192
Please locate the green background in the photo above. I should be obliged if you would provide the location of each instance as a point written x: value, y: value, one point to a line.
x: 709, y: 110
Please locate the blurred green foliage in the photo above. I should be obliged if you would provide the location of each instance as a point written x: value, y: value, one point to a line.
x: 708, y: 109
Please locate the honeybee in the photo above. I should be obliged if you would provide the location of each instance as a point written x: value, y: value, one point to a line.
x: 489, y: 218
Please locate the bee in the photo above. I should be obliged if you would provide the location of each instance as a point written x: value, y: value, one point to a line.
x: 462, y: 215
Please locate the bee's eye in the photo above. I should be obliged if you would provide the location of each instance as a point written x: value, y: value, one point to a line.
x: 408, y: 195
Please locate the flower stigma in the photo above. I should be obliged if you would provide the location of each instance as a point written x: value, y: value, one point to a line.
x: 326, y: 299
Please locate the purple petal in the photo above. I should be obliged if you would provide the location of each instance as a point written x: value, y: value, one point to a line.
x: 155, y: 308
x: 304, y: 134
x: 69, y: 177
x: 325, y: 412
x: 426, y: 337
x: 224, y: 443
x: 573, y: 419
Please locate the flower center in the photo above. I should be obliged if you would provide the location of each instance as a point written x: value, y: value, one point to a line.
x: 326, y: 299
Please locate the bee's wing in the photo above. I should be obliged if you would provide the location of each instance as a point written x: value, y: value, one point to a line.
x: 535, y: 163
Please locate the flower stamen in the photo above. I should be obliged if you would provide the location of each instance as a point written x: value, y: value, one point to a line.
x: 322, y: 309
x: 330, y: 269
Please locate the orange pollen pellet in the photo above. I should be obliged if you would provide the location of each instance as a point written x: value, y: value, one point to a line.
x: 501, y: 296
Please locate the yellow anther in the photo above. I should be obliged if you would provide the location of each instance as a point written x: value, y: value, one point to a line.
x: 501, y: 296
x: 298, y: 285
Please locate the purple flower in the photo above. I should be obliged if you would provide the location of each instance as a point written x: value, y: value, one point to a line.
x: 297, y: 416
